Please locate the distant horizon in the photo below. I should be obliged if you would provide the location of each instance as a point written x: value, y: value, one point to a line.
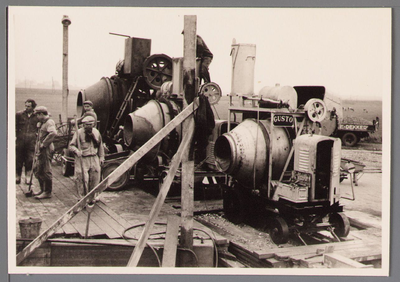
x: 75, y: 88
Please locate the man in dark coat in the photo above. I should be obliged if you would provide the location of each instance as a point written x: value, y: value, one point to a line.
x: 205, y: 55
x: 26, y: 133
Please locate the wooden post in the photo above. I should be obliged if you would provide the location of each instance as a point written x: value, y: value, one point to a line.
x: 189, y: 86
x: 155, y: 210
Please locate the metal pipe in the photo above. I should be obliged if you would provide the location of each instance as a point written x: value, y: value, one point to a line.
x: 65, y: 22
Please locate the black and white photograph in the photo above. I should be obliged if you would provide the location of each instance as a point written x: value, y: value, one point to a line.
x: 250, y: 141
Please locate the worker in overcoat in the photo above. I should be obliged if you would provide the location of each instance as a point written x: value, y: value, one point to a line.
x: 25, y: 133
x: 205, y: 56
x: 43, y: 171
x: 87, y: 145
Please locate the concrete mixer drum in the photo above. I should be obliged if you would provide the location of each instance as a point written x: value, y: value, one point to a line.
x: 157, y: 69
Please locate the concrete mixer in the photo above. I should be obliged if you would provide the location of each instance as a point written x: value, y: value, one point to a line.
x: 281, y: 167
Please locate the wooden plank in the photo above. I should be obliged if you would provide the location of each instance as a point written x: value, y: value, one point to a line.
x: 189, y: 86
x: 176, y: 160
x: 69, y: 198
x: 339, y: 261
x: 171, y: 241
x: 103, y: 223
x: 310, y: 249
x: 127, y: 164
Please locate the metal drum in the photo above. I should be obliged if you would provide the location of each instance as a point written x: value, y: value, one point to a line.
x: 286, y: 94
x: 107, y: 96
x: 244, y: 151
x: 145, y: 122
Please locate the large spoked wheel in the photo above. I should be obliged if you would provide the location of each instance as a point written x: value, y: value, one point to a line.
x: 67, y: 168
x: 349, y: 139
x: 118, y: 184
x: 212, y: 91
x: 235, y: 205
x: 279, y: 231
x: 340, y: 223
x: 157, y: 69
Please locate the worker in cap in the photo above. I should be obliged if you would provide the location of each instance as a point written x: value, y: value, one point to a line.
x: 88, y: 111
x: 43, y: 171
x: 26, y: 134
x: 205, y: 56
x: 88, y: 148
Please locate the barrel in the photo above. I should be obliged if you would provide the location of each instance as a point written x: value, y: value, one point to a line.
x: 244, y: 152
x: 243, y: 61
x: 145, y: 122
x: 30, y: 227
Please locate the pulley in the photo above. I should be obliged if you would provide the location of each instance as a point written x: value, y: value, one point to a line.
x: 157, y: 69
x: 212, y: 91
x: 316, y: 110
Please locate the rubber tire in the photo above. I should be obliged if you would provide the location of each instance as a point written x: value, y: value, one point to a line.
x: 235, y: 205
x: 279, y: 231
x: 67, y: 168
x: 121, y: 182
x: 340, y: 223
x: 350, y: 139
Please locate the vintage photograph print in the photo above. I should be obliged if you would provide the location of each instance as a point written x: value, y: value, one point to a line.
x: 248, y: 141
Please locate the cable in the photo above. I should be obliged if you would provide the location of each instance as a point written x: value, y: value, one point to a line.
x: 164, y: 232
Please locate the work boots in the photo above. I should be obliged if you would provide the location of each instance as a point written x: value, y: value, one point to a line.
x: 18, y: 179
x: 44, y: 195
x: 45, y: 188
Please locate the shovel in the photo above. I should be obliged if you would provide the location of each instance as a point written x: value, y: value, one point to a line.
x: 30, y: 193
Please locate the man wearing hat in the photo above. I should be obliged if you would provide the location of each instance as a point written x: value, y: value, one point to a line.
x: 26, y: 130
x: 47, y: 132
x: 90, y: 155
x: 88, y: 108
x: 205, y: 55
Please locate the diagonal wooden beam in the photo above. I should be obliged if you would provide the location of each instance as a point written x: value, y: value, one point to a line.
x: 111, y: 178
x: 155, y: 210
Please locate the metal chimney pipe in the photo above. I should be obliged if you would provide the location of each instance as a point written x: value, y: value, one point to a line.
x: 64, y: 113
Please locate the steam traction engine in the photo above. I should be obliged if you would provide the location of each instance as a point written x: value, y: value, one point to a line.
x: 280, y: 169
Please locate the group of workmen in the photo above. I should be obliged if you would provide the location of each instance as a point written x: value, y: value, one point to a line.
x: 35, y: 133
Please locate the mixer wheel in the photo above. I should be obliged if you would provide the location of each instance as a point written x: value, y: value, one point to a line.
x: 279, y: 231
x: 212, y: 91
x: 118, y: 184
x: 316, y: 110
x: 235, y: 205
x: 340, y: 223
x: 157, y: 69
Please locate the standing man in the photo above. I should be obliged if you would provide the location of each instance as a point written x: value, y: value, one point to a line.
x: 205, y: 55
x: 26, y: 130
x: 91, y: 153
x: 88, y: 108
x: 43, y: 172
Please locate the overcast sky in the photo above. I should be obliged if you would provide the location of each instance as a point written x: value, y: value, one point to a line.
x: 347, y: 50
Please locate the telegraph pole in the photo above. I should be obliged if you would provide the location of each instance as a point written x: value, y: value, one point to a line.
x: 64, y: 113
